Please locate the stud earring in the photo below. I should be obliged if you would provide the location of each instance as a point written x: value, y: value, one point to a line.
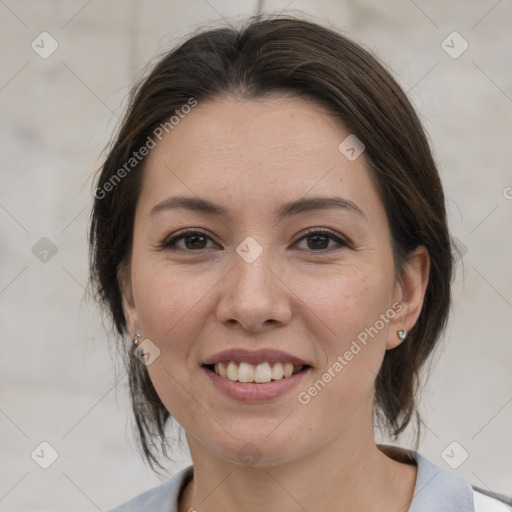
x: 402, y: 334
x: 138, y: 336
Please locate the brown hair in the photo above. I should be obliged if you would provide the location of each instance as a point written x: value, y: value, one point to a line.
x: 278, y: 54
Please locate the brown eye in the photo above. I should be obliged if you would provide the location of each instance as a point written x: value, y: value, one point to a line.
x: 191, y: 241
x: 319, y: 240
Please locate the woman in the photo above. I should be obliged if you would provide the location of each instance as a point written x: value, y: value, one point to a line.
x: 269, y: 229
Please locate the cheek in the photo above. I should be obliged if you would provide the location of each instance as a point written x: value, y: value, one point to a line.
x: 355, y: 310
x: 353, y: 301
x: 172, y: 309
x: 174, y: 306
x: 170, y: 303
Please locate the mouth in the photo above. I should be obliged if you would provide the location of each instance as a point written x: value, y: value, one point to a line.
x: 261, y: 373
x: 255, y: 376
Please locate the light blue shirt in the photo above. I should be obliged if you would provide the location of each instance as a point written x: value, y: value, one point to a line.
x: 435, y: 491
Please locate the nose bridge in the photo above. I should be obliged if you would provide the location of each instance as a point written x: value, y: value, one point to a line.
x: 253, y: 295
x: 252, y: 274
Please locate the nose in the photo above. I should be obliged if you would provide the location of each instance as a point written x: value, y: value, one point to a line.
x: 254, y: 296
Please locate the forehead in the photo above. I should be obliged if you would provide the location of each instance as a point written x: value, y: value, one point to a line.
x: 269, y: 149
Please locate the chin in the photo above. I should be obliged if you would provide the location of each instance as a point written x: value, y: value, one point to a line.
x: 257, y: 448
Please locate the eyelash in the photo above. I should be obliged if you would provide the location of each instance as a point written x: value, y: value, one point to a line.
x: 170, y: 243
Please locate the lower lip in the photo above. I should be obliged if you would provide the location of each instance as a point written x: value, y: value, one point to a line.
x: 252, y: 392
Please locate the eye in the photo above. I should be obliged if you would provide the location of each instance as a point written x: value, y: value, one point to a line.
x: 192, y: 240
x: 319, y: 240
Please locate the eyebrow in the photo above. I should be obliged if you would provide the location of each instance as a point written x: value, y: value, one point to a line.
x: 303, y: 205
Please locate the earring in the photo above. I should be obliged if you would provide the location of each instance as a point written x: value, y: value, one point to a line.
x: 402, y: 334
x: 138, y: 335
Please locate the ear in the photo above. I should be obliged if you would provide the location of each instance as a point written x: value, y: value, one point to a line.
x: 130, y: 311
x: 410, y: 293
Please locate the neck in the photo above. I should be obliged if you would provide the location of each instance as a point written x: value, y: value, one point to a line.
x: 341, y: 475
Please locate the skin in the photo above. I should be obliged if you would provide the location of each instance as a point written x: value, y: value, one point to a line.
x: 251, y: 156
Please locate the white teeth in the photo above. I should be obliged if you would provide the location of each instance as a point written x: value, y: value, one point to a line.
x: 277, y: 371
x: 246, y: 372
x: 261, y: 373
x: 232, y: 373
x: 288, y: 369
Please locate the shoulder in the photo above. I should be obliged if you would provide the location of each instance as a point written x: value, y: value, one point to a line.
x: 163, y: 498
x: 444, y: 492
x: 490, y: 502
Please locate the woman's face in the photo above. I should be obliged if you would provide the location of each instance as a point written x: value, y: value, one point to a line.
x: 260, y: 178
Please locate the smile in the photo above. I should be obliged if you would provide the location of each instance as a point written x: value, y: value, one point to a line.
x: 255, y: 373
x: 255, y: 376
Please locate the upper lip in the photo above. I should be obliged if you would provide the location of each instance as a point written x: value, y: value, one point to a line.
x: 254, y: 357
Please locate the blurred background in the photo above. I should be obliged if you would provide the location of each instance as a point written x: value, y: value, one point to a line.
x: 67, y: 67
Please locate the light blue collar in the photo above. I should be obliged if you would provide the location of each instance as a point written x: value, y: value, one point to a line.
x: 437, y: 490
x: 434, y: 490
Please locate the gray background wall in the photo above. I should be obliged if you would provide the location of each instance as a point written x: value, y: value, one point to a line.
x: 58, y: 383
